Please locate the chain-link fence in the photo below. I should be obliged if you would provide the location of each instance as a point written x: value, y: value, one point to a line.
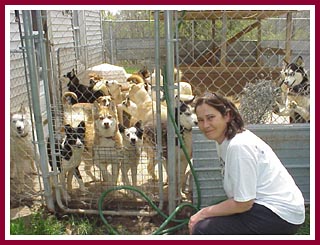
x: 225, y: 52
x: 236, y: 53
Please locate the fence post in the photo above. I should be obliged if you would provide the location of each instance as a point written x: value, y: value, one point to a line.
x: 34, y: 79
x: 171, y: 132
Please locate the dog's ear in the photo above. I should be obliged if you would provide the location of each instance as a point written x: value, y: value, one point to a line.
x: 300, y: 61
x: 138, y: 126
x: 284, y: 64
x: 121, y: 128
x: 82, y: 126
x: 22, y: 109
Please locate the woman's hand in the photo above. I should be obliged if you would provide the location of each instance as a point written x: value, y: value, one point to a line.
x: 227, y: 207
x: 195, y: 219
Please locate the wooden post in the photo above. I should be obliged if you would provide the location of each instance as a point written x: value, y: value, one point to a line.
x: 223, y: 53
x: 259, y: 51
x: 288, y: 37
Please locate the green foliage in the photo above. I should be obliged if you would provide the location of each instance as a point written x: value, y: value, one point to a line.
x: 305, y: 228
x: 44, y: 223
x: 40, y: 223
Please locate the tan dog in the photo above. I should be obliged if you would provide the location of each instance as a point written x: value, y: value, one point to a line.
x: 107, y: 150
x: 114, y: 89
x: 127, y: 111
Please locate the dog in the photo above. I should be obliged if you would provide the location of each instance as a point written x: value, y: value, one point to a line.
x: 116, y: 91
x: 107, y: 149
x: 295, y: 77
x: 295, y: 92
x: 184, y: 114
x: 185, y: 89
x: 23, y: 155
x: 146, y: 107
x: 112, y: 88
x: 127, y: 112
x: 76, y: 113
x: 132, y: 142
x: 188, y: 120
x: 68, y: 154
x: 144, y: 73
x: 85, y: 94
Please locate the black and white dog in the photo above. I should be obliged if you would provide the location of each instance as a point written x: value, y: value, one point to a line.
x: 295, y: 87
x: 295, y: 77
x: 68, y: 154
x: 185, y: 115
x: 132, y: 143
x: 84, y: 93
x: 188, y: 120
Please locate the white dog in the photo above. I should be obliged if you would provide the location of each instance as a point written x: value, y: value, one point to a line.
x: 23, y: 156
x: 132, y: 142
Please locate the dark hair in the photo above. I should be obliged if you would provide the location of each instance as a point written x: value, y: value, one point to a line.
x: 224, y: 106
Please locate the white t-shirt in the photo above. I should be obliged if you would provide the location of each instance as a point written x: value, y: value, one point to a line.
x: 253, y: 171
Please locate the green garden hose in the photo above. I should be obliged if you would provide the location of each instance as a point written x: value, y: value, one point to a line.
x: 160, y: 230
x: 182, y: 222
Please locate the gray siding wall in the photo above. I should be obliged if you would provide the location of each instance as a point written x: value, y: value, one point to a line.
x: 93, y: 30
x: 290, y: 142
x: 18, y: 88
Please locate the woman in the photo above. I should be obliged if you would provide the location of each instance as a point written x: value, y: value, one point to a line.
x: 262, y: 196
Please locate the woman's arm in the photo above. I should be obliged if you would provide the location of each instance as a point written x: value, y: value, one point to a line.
x: 227, y: 207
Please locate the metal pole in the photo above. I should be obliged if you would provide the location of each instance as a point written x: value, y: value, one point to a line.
x: 168, y: 18
x: 158, y: 106
x: 34, y: 79
x: 111, y: 42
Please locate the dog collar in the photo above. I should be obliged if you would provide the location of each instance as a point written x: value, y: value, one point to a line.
x: 185, y: 129
x: 110, y: 138
x: 23, y: 135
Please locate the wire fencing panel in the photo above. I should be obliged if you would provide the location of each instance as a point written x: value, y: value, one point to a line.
x: 25, y: 183
x: 131, y: 43
x: 229, y: 52
x: 239, y: 54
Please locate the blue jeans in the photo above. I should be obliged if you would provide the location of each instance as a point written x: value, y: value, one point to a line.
x: 259, y: 220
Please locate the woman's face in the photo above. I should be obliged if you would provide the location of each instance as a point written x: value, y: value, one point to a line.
x: 212, y: 123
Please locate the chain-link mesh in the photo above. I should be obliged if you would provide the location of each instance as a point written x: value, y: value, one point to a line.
x: 236, y: 53
x: 227, y: 51
x: 25, y: 183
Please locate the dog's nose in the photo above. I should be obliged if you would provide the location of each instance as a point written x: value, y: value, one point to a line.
x: 106, y: 125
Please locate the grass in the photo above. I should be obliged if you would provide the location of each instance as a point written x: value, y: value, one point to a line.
x: 305, y: 228
x: 43, y: 223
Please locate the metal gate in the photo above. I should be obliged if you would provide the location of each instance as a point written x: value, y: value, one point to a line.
x: 237, y: 53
